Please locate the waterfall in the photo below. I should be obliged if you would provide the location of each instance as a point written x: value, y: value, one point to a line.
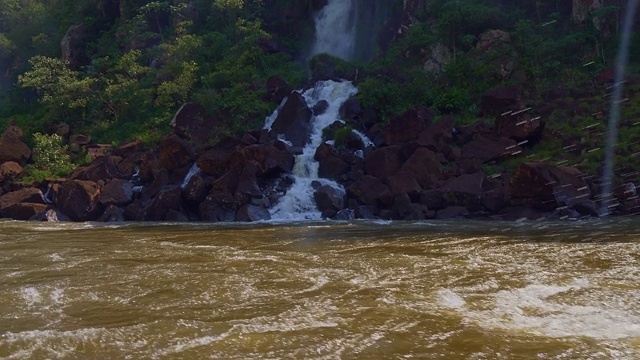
x: 298, y: 203
x: 194, y: 170
x: 349, y: 29
x: 335, y: 29
x: 614, y: 116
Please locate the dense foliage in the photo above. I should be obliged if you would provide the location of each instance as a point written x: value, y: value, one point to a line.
x: 133, y: 63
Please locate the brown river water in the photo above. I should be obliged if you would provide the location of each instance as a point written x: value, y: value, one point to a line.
x: 360, y: 290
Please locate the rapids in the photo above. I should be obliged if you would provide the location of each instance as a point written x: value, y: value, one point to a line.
x: 320, y: 290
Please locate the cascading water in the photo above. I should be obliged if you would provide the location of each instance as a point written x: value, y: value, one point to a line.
x: 349, y: 29
x: 193, y: 171
x: 298, y: 203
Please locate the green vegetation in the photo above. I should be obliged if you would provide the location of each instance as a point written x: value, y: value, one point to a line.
x: 50, y: 159
x: 131, y: 64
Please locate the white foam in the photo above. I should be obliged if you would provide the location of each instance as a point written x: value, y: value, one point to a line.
x: 31, y: 295
x: 538, y: 309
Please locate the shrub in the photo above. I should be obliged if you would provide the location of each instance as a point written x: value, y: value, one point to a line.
x: 50, y: 158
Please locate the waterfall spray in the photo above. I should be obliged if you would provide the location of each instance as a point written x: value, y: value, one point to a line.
x: 614, y: 116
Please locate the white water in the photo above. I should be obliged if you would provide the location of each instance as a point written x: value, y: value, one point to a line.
x: 298, y: 203
x: 335, y: 30
x: 193, y: 171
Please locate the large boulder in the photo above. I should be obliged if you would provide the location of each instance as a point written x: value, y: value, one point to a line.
x: 216, y: 160
x: 11, y: 146
x: 371, y: 191
x: 330, y: 165
x: 19, y: 204
x: 328, y: 199
x: 174, y: 152
x: 438, y: 57
x: 167, y: 199
x: 102, y: 168
x: 405, y: 127
x: 250, y: 212
x: 384, y: 162
x: 545, y: 187
x: 79, y: 200
x: 293, y: 120
x: 268, y: 159
x: 116, y: 192
x: 73, y: 44
x: 10, y: 170
x: 501, y: 99
x: 583, y: 8
x: 425, y: 166
x: 464, y: 190
x: 519, y: 126
x: 277, y: 89
x: 488, y: 148
x: 191, y: 122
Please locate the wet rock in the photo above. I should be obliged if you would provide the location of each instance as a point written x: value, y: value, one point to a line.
x: 384, y: 162
x: 268, y: 159
x: 365, y: 212
x: 23, y: 210
x: 320, y: 107
x: 175, y: 216
x: 344, y: 215
x: 328, y: 198
x: 351, y: 109
x: 465, y: 191
x: 72, y: 46
x: 493, y: 194
x: 167, y: 199
x: 293, y: 120
x: 370, y: 190
x: 501, y: 99
x: 10, y: 203
x: 277, y: 89
x: 102, y: 168
x: 452, y: 212
x: 488, y: 148
x: 215, y: 161
x: 215, y: 212
x: 11, y: 146
x: 432, y: 199
x: 116, y: 192
x: 520, y: 127
x: 10, y: 170
x: 404, y: 128
x: 425, y: 167
x: 112, y: 213
x: 404, y: 182
x: 79, y: 200
x: 174, y: 152
x: 545, y: 187
x: 252, y: 213
x: 192, y: 123
x: 196, y: 190
x: 330, y: 165
x: 50, y: 215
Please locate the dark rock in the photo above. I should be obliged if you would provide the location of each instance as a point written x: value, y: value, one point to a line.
x: 425, y: 167
x: 330, y: 165
x: 215, y: 212
x: 174, y: 152
x: 344, y: 215
x: 192, y: 123
x: 252, y: 213
x: 116, y: 192
x: 493, y: 197
x: 465, y: 191
x: 102, y: 168
x: 520, y: 127
x: 404, y: 128
x: 372, y: 191
x: 452, y: 212
x: 320, y: 107
x: 167, y: 199
x: 10, y: 170
x: 133, y: 211
x: 365, y: 212
x: 267, y: 158
x: 10, y: 202
x: 78, y: 199
x: 215, y: 161
x: 175, y: 216
x: 293, y: 120
x: 112, y: 213
x: 11, y: 146
x: 196, y: 190
x: 432, y: 199
x: 485, y: 148
x: 404, y: 182
x: 23, y: 210
x: 50, y: 215
x: 329, y: 198
x: 586, y: 208
x: 351, y: 109
x: 501, y: 99
x: 545, y: 187
x: 384, y: 162
x: 73, y: 46
x: 277, y: 89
